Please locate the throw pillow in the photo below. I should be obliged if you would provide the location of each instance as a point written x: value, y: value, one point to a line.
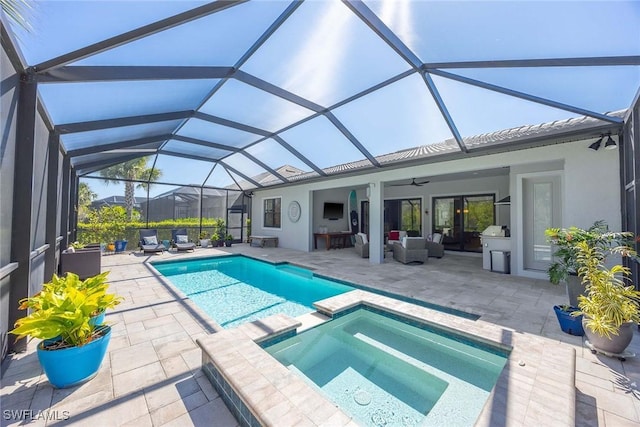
x: 182, y: 238
x: 365, y: 240
x: 394, y: 235
x: 404, y: 242
x: 151, y: 240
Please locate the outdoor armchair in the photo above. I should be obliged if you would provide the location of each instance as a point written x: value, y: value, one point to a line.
x: 435, y: 246
x: 362, y: 245
x: 411, y: 250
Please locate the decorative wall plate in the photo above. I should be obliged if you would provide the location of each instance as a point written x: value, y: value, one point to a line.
x: 294, y: 211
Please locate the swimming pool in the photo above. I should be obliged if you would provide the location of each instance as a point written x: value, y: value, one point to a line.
x: 383, y: 371
x: 234, y: 289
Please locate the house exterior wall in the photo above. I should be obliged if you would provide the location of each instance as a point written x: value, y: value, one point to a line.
x: 294, y: 235
x: 591, y: 189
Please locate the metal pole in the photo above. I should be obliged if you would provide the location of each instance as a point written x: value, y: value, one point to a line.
x: 21, y: 238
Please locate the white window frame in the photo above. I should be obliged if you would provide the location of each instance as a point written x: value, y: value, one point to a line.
x: 263, y: 212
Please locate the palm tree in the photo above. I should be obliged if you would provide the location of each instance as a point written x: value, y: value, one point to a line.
x: 85, y: 196
x: 18, y: 11
x: 130, y: 172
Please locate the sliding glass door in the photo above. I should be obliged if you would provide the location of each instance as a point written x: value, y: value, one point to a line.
x: 403, y: 214
x: 461, y: 220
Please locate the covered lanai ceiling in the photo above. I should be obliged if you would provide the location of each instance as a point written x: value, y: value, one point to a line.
x: 253, y: 94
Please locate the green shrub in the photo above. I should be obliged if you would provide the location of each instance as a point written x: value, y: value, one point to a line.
x: 109, y: 224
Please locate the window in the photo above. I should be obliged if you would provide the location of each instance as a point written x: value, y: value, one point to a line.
x: 272, y: 208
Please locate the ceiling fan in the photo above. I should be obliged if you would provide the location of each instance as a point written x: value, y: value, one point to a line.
x: 413, y: 182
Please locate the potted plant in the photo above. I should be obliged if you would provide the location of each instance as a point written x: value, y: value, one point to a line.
x: 570, y: 319
x: 565, y: 265
x: 610, y: 307
x: 204, y: 239
x: 65, y: 315
x: 120, y: 245
x: 214, y: 239
x: 228, y: 240
x: 220, y: 230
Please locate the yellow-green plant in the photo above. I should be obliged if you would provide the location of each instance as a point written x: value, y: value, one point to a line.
x: 598, y: 235
x: 63, y: 309
x: 609, y: 302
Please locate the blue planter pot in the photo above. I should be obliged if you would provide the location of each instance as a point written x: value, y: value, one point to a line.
x: 569, y: 324
x: 121, y: 245
x: 97, y: 320
x: 72, y: 366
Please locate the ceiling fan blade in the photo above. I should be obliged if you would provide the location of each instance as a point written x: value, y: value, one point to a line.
x: 413, y: 182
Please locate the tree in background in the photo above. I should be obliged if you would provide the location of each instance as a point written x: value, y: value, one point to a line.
x: 85, y: 197
x: 130, y: 172
x: 18, y: 11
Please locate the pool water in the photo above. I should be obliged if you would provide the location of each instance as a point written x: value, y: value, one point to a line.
x: 234, y: 290
x: 386, y: 372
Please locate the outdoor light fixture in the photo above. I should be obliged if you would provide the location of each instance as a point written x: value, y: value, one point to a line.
x: 610, y: 144
x: 596, y: 145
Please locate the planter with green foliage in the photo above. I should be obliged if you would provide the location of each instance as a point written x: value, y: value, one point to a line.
x: 63, y: 315
x: 565, y: 267
x: 204, y: 239
x: 228, y: 240
x: 220, y: 231
x: 610, y: 306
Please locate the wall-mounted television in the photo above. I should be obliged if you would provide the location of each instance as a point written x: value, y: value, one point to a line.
x: 333, y: 210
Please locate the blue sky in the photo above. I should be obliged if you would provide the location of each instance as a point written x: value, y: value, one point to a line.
x: 324, y: 53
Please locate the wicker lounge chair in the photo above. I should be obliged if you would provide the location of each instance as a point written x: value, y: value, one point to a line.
x: 180, y: 240
x: 362, y: 246
x: 435, y: 246
x: 412, y: 252
x: 149, y: 241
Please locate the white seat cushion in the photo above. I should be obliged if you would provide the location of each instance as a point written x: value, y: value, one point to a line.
x: 151, y: 240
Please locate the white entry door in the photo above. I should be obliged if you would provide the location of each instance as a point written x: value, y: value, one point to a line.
x: 541, y: 210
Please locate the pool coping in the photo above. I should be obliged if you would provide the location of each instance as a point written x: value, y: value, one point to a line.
x: 536, y: 386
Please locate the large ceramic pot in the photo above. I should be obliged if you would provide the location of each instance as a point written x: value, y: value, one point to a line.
x: 615, y: 344
x: 75, y: 365
x: 575, y: 288
x: 120, y: 245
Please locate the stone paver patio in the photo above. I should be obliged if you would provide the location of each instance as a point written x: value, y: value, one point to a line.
x: 152, y: 374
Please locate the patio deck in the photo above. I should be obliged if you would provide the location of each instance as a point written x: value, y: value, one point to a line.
x: 152, y: 374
